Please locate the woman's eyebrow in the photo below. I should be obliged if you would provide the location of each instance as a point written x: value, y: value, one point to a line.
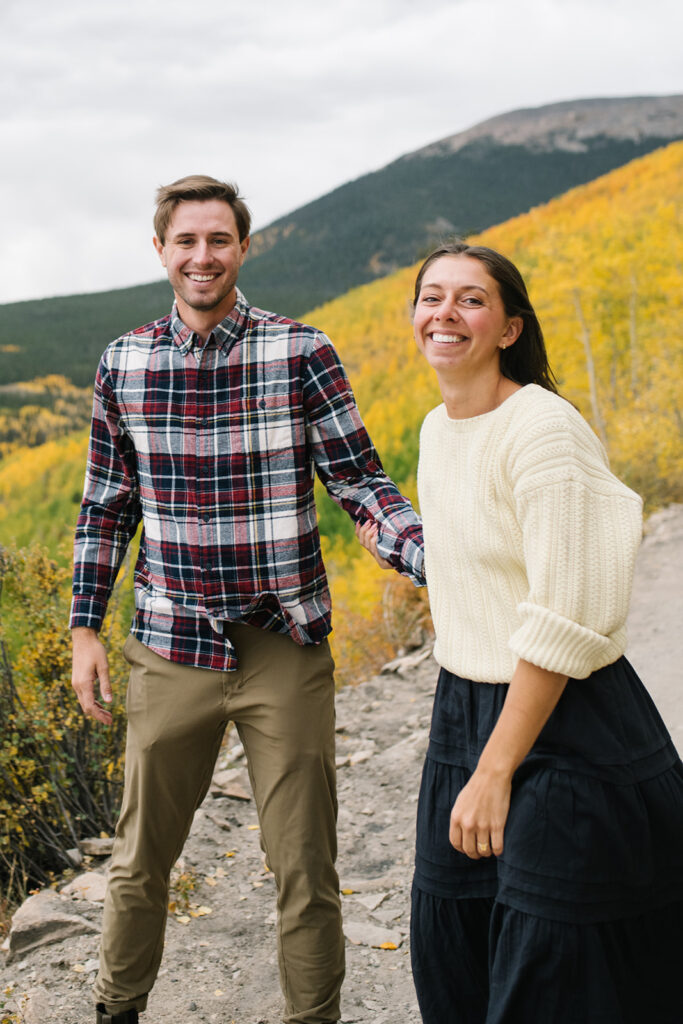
x: 462, y: 288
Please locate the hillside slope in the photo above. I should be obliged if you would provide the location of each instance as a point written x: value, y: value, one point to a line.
x: 604, y: 265
x: 603, y: 262
x: 462, y: 184
x: 368, y: 227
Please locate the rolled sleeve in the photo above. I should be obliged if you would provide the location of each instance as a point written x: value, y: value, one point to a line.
x: 581, y: 531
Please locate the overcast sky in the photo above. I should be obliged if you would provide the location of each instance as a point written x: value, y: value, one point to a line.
x: 101, y: 102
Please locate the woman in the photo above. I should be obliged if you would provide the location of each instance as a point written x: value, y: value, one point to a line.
x: 548, y: 884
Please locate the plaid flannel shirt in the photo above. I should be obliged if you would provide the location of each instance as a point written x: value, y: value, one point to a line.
x: 215, y: 447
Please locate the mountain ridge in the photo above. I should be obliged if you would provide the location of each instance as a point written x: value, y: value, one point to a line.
x: 569, y: 123
x: 366, y: 228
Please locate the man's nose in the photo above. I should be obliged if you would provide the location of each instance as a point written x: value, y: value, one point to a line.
x: 202, y: 252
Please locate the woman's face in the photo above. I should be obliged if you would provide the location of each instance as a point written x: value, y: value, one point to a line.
x: 460, y: 322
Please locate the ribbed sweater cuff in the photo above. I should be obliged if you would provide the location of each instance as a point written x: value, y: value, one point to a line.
x: 559, y: 645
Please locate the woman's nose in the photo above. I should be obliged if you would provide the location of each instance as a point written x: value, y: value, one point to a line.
x: 447, y: 311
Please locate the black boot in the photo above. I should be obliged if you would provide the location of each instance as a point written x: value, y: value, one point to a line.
x: 125, y: 1017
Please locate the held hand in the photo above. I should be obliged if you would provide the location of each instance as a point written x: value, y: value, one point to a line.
x: 479, y: 815
x: 90, y: 663
x: 367, y: 535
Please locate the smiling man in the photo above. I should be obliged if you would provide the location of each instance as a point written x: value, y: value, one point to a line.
x: 209, y: 426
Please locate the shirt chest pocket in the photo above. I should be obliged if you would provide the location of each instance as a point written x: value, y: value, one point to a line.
x: 271, y: 424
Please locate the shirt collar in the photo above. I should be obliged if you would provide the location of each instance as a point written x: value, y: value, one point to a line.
x: 225, y: 334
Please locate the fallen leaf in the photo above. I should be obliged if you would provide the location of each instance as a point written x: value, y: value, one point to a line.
x: 211, y: 881
x: 78, y: 968
x: 253, y: 828
x: 388, y: 945
x: 230, y: 853
x: 183, y: 919
x: 218, y: 992
x: 347, y: 892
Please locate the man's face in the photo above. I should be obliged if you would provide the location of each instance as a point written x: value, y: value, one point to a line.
x: 202, y: 255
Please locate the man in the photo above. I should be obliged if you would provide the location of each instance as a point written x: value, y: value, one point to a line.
x: 208, y: 425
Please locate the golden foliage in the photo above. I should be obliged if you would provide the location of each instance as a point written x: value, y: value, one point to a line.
x: 613, y: 250
x: 41, y: 410
x: 616, y: 245
x: 604, y: 266
x: 61, y: 775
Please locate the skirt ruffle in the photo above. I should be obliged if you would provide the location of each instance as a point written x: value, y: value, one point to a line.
x: 480, y: 962
x: 595, y: 827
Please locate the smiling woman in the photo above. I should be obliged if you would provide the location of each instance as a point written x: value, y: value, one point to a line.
x: 549, y: 862
x: 461, y: 326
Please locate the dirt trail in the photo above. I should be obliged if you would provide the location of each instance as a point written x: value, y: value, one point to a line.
x: 220, y: 961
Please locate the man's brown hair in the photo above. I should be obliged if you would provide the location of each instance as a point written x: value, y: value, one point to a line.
x: 199, y: 187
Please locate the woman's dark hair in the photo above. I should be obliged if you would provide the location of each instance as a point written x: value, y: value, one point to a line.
x: 525, y: 362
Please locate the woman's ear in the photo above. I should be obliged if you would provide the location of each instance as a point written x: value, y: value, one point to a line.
x: 512, y: 331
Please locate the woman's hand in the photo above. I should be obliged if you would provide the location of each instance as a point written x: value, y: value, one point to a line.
x: 480, y: 812
x: 479, y: 815
x: 367, y: 535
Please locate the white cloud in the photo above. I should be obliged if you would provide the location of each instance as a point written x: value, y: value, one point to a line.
x: 100, y: 103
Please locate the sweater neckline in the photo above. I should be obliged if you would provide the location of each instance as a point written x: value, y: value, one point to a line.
x: 472, y: 422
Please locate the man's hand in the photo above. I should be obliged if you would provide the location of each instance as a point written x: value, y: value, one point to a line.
x: 90, y: 663
x: 367, y: 535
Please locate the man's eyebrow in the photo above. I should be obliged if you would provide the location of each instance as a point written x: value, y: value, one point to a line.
x: 212, y: 234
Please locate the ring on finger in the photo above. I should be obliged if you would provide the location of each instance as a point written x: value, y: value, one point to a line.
x: 483, y: 847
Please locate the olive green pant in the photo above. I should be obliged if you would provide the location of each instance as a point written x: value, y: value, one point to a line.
x: 281, y: 699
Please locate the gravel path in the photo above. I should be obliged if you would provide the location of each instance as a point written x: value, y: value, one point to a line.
x: 220, y: 960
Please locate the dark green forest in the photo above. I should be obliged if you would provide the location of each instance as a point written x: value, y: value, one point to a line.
x: 361, y: 231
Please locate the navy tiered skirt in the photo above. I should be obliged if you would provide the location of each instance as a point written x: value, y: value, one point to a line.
x: 581, y: 918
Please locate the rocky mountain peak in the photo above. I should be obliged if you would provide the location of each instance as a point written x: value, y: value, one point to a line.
x: 571, y: 126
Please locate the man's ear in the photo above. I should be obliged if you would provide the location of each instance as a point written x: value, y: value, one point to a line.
x: 160, y: 250
x: 244, y: 245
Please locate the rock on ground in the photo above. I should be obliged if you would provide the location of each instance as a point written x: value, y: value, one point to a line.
x: 220, y: 958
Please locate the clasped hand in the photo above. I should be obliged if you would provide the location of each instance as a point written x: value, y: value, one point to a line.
x: 367, y: 533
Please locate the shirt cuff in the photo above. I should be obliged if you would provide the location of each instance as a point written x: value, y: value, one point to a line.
x: 407, y: 556
x: 86, y: 611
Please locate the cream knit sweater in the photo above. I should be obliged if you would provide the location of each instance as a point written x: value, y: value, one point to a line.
x: 530, y: 541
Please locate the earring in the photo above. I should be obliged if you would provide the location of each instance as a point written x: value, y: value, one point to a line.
x: 503, y: 345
